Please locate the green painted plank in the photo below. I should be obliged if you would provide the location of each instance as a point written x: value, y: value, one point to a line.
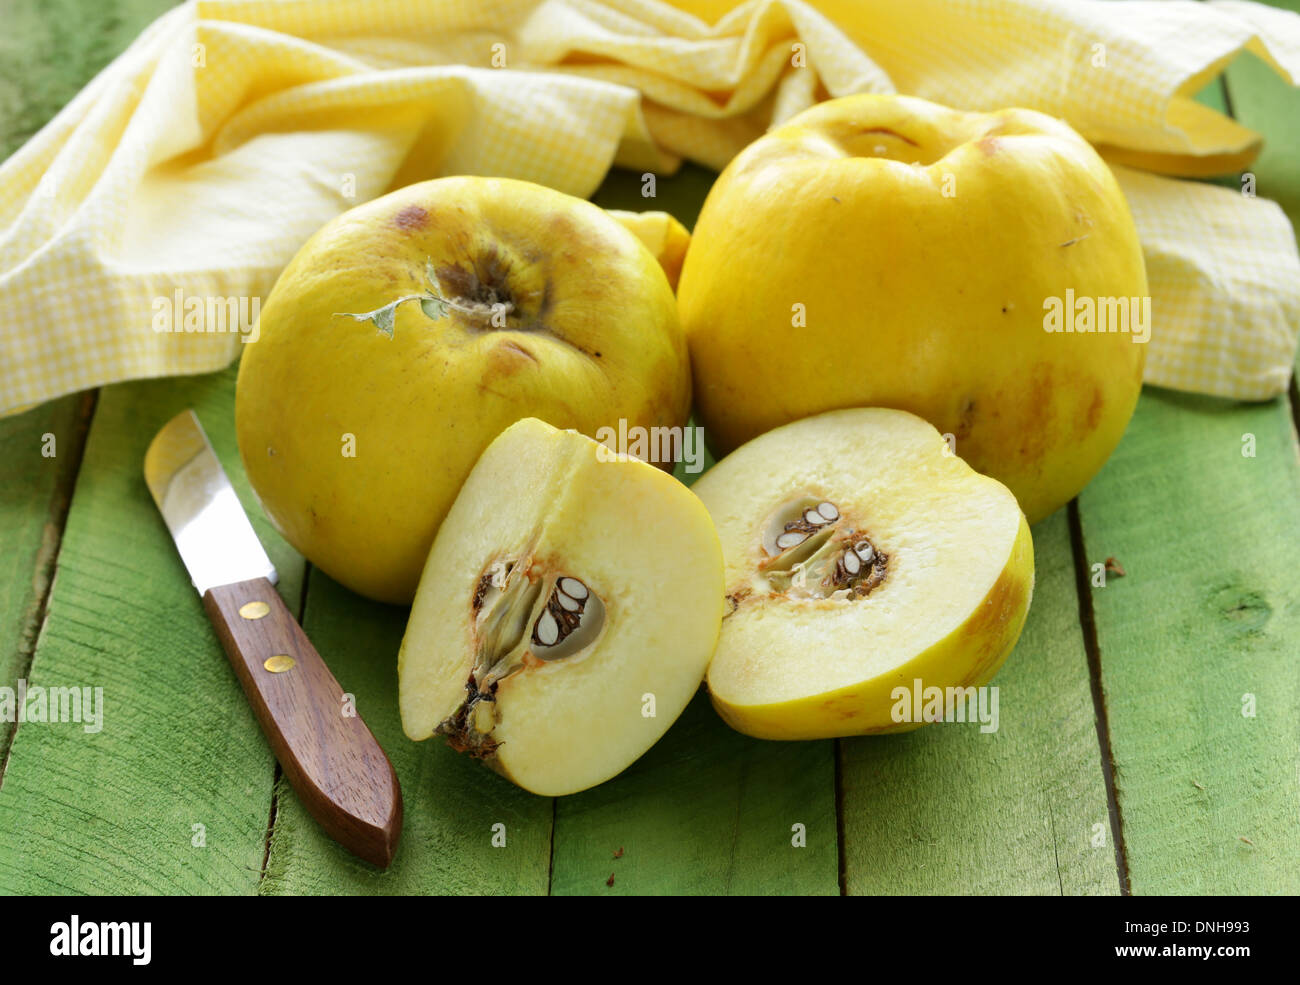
x: 1207, y: 614
x: 74, y: 814
x: 686, y: 832
x: 1215, y: 96
x: 585, y: 824
x: 49, y: 49
x: 707, y: 810
x: 114, y: 811
x: 1181, y: 642
x: 452, y: 804
x: 1263, y: 101
x: 947, y: 809
x: 682, y: 194
x: 41, y: 450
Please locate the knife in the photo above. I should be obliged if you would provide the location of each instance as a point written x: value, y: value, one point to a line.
x: 331, y: 758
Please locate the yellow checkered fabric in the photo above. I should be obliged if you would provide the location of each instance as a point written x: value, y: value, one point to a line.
x: 195, y: 165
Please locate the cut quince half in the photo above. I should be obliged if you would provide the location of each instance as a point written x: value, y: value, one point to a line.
x: 567, y: 613
x: 861, y: 556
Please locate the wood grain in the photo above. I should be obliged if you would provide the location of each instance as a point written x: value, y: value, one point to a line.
x: 949, y: 810
x: 1207, y: 614
x: 466, y: 829
x: 705, y: 811
x: 1263, y: 101
x: 1207, y: 795
x: 49, y: 49
x: 41, y: 450
x: 322, y: 744
x: 173, y: 793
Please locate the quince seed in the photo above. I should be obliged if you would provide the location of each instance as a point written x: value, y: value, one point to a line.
x: 565, y: 613
x: 569, y: 622
x: 573, y: 588
x: 547, y: 632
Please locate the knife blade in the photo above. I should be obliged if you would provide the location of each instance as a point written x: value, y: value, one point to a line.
x: 327, y: 752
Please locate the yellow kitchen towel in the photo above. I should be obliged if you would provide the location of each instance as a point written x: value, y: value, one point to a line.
x: 169, y: 193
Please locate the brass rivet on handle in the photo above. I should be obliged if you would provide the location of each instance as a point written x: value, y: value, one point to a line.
x: 254, y: 610
x: 279, y: 663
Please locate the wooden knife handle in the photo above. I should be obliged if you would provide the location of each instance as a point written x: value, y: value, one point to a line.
x: 334, y: 763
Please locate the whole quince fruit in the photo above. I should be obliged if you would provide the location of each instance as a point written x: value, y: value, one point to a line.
x: 567, y: 613
x: 412, y: 330
x: 886, y: 251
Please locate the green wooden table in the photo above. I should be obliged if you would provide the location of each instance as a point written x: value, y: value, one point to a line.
x: 1150, y: 729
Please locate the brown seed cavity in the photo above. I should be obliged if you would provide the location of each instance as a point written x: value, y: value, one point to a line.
x: 523, y: 616
x: 811, y: 550
x: 793, y: 523
x: 570, y: 621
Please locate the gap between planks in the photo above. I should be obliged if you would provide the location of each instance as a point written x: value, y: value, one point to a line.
x: 48, y: 557
x: 277, y: 772
x: 841, y: 857
x: 1292, y: 393
x: 1088, y: 629
x: 550, y: 849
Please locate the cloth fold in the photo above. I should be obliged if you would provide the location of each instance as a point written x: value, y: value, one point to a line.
x: 196, y: 163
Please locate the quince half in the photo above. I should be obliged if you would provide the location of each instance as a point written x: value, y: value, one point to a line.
x: 862, y: 556
x: 567, y: 612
